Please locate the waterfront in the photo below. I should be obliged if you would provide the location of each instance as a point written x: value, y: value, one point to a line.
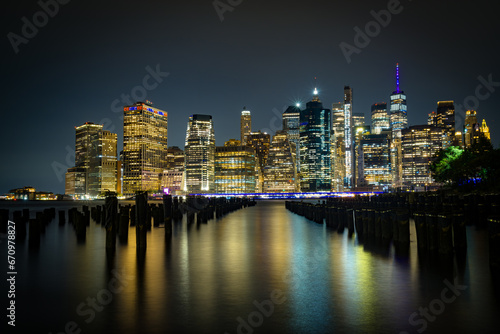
x: 212, y: 278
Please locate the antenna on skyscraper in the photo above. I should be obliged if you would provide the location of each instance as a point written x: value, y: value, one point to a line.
x: 397, y: 77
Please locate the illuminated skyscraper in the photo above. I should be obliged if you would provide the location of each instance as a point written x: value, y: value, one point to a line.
x: 291, y: 125
x: 358, y: 119
x: 432, y: 119
x: 470, y: 121
x: 144, y: 147
x: 380, y: 118
x: 337, y: 147
x: 399, y: 121
x: 199, y: 168
x: 260, y: 142
x: 420, y: 144
x: 359, y: 132
x: 75, y: 182
x: 446, y: 120
x: 349, y: 175
x: 96, y: 155
x: 315, y: 127
x: 245, y: 125
x: 173, y: 175
x: 235, y: 168
x: 102, y: 173
x: 399, y: 118
x: 280, y: 174
x: 376, y: 159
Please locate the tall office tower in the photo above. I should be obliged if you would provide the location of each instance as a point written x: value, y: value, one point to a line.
x: 358, y: 119
x: 432, y: 119
x: 260, y: 142
x: 470, y: 121
x: 102, y: 172
x: 173, y: 175
x: 86, y: 136
x: 75, y: 182
x: 349, y: 175
x: 359, y: 132
x: 291, y: 125
x: 144, y: 147
x: 199, y: 161
x: 399, y: 117
x: 280, y: 174
x: 315, y: 127
x: 337, y: 147
x: 95, y: 152
x: 376, y: 159
x: 446, y: 120
x: 420, y: 144
x: 245, y: 124
x: 485, y: 130
x: 235, y: 168
x: 399, y: 121
x: 380, y: 118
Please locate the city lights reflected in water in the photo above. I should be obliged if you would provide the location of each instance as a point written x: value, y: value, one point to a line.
x: 209, y: 278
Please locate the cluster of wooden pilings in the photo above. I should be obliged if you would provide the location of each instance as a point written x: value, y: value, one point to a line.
x: 116, y: 219
x: 440, y: 220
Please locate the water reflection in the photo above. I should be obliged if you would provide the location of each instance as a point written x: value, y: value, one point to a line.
x: 211, y: 278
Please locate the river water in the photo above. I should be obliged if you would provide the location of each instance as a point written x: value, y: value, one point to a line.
x: 261, y: 269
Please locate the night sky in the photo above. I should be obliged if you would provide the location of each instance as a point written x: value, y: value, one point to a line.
x: 264, y: 55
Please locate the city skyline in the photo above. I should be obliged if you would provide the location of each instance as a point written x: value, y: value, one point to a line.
x: 58, y: 81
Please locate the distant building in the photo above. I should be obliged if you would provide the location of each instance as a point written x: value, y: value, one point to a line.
x: 291, y: 125
x: 358, y: 119
x: 75, y: 182
x: 380, y: 118
x: 315, y: 127
x: 360, y: 132
x: 260, y: 142
x: 446, y: 119
x: 173, y: 176
x: 420, y: 144
x: 144, y: 147
x: 96, y: 158
x: 199, y: 168
x: 376, y: 159
x: 349, y: 162
x: 432, y: 119
x: 245, y: 124
x: 235, y: 168
x: 280, y: 174
x: 337, y: 147
x: 399, y: 121
x: 473, y: 130
x: 29, y: 193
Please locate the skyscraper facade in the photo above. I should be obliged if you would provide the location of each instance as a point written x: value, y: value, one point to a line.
x: 199, y: 166
x: 337, y: 147
x: 260, y: 142
x: 102, y: 173
x: 445, y: 119
x: 376, y: 159
x: 349, y: 174
x: 245, y: 125
x: 173, y: 175
x: 380, y: 118
x: 86, y: 136
x: 144, y: 147
x: 315, y: 127
x: 291, y: 125
x: 280, y: 174
x: 420, y: 144
x: 235, y: 168
x: 399, y: 121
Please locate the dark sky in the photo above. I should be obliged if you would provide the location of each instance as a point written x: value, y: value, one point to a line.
x: 263, y: 55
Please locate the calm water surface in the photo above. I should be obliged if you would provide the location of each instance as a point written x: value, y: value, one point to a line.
x: 257, y: 270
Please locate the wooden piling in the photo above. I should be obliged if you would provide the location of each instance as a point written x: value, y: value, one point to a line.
x: 141, y: 206
x: 167, y: 213
x: 494, y: 242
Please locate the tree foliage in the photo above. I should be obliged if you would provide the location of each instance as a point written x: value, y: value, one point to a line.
x: 475, y: 168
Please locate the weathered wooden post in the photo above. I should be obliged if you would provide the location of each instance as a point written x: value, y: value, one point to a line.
x: 20, y: 225
x: 80, y: 226
x: 62, y: 217
x: 421, y: 229
x: 141, y: 206
x: 111, y: 209
x: 459, y: 232
x: 432, y: 232
x: 123, y: 226
x: 403, y: 221
x: 445, y: 234
x: 167, y: 213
